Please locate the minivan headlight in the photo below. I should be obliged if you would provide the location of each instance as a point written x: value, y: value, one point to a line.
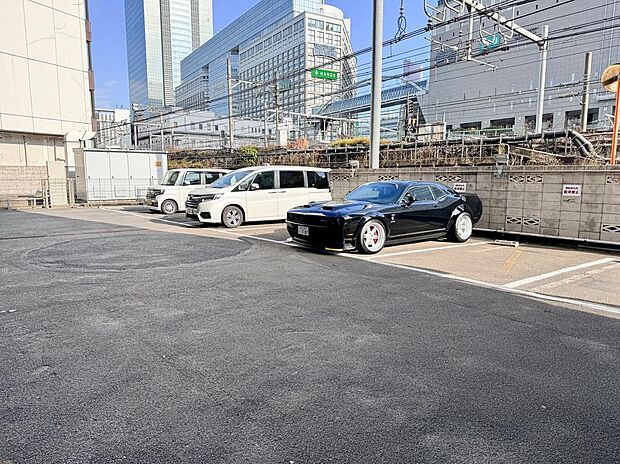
x: 216, y: 196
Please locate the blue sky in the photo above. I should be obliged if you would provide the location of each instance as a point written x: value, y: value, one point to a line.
x: 110, y: 49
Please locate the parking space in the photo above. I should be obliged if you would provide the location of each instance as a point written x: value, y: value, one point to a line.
x: 575, y: 274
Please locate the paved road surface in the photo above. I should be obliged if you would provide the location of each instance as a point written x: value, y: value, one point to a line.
x: 120, y: 344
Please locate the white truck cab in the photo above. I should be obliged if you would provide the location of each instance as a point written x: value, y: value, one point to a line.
x: 261, y: 193
x: 169, y: 197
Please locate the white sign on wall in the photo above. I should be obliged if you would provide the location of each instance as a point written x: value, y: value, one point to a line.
x: 571, y: 190
x: 460, y: 187
x: 325, y: 50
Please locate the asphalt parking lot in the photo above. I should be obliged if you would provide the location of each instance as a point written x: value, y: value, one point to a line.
x: 582, y: 278
x: 132, y: 337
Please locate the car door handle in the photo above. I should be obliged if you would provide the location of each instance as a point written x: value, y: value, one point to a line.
x: 282, y: 191
x: 271, y: 193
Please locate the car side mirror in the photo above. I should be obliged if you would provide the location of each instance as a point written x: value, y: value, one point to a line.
x: 255, y: 186
x: 187, y: 182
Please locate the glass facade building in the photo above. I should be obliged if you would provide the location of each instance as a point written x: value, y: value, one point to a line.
x: 283, y: 38
x: 160, y: 33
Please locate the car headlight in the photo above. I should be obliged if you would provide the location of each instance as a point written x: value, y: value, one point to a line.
x: 216, y: 196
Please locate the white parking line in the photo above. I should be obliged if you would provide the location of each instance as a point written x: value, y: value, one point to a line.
x: 529, y: 280
x: 425, y: 250
x: 502, y: 288
x: 539, y: 296
x: 274, y: 227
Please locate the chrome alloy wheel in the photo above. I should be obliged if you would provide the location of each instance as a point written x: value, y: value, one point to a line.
x: 464, y: 227
x: 373, y: 236
x: 233, y: 217
x: 169, y: 207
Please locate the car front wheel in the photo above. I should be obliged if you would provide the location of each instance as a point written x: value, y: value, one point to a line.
x: 371, y: 238
x: 169, y: 207
x: 462, y: 229
x: 232, y: 217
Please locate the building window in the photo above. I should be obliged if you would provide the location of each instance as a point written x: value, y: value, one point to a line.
x: 333, y: 27
x: 315, y: 23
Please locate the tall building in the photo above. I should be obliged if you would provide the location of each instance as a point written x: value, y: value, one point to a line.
x: 46, y: 85
x: 471, y: 96
x: 160, y: 33
x: 113, y: 128
x: 298, y: 43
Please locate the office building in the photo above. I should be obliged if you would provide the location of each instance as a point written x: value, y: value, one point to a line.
x: 113, y: 128
x: 501, y: 94
x: 160, y: 33
x: 46, y: 87
x: 275, y: 41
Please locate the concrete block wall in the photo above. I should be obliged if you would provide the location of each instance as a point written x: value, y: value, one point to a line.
x: 21, y: 181
x: 525, y: 200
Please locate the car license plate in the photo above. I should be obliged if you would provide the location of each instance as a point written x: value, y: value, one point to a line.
x: 303, y: 230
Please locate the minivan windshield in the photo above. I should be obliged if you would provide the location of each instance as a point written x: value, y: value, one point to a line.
x: 170, y: 178
x: 231, y: 179
x: 377, y: 192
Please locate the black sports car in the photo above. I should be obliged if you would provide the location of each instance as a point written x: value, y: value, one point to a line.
x: 386, y: 212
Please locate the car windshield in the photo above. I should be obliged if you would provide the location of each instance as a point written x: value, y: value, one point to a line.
x: 170, y: 178
x: 231, y: 179
x: 378, y: 192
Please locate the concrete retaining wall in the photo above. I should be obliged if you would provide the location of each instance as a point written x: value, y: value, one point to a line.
x: 558, y: 201
x: 21, y: 181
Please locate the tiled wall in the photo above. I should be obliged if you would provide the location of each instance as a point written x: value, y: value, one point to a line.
x: 528, y: 200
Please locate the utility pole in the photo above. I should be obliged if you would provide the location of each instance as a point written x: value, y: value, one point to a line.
x: 277, y: 104
x: 470, y: 34
x: 231, y: 122
x: 376, y: 81
x: 585, y: 100
x: 161, y: 130
x: 544, y: 50
x: 265, y: 120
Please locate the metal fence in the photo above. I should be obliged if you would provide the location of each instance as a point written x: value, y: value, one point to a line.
x: 114, y: 189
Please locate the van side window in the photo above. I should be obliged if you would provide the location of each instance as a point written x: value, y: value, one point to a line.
x: 211, y: 177
x: 317, y: 179
x: 292, y: 179
x: 192, y: 178
x: 266, y: 180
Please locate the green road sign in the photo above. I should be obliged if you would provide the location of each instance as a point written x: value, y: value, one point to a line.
x: 325, y: 74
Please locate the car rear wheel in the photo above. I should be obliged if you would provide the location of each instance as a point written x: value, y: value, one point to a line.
x: 232, y: 217
x: 169, y: 207
x: 462, y: 228
x: 371, y: 238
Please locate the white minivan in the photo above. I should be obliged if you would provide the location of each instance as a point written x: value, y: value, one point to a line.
x: 262, y: 193
x: 170, y: 196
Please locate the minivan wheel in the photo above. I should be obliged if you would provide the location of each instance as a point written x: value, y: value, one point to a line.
x: 371, y: 238
x: 462, y: 228
x: 169, y: 207
x: 232, y: 217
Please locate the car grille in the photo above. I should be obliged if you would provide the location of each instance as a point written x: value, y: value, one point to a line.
x: 152, y: 194
x: 194, y: 200
x: 309, y: 219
